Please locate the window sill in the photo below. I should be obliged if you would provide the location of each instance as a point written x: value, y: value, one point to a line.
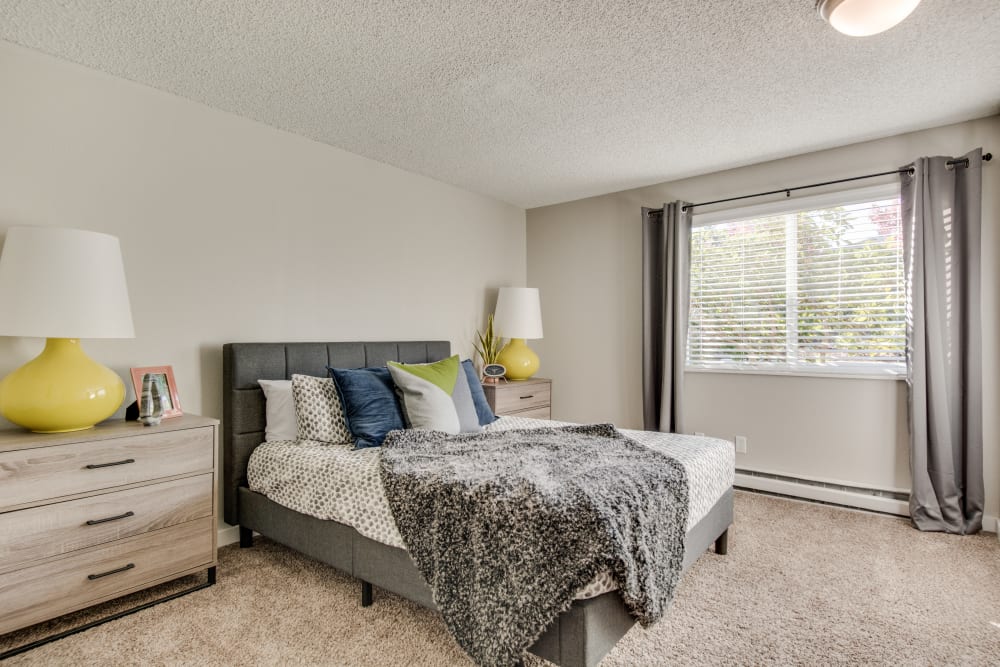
x: 845, y: 374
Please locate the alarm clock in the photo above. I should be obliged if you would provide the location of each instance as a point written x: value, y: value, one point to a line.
x: 493, y: 372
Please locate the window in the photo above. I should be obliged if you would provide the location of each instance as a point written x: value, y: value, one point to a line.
x: 809, y: 285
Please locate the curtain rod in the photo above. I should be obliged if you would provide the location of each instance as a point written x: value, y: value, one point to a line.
x: 788, y: 191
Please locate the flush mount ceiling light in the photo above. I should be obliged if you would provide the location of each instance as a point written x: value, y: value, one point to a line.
x: 860, y: 18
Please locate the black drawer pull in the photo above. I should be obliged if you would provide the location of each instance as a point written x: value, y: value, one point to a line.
x: 94, y: 522
x: 110, y: 572
x: 528, y: 396
x: 95, y: 466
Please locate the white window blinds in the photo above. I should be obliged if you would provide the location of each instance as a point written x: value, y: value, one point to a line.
x: 818, y: 287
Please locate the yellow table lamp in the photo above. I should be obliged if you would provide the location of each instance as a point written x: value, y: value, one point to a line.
x: 518, y: 316
x: 62, y: 285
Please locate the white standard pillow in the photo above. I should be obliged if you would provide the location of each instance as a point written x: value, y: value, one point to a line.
x: 279, y: 411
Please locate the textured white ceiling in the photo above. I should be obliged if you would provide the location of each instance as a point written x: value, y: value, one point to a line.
x: 538, y: 102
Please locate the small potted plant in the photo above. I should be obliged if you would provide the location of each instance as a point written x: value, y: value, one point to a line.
x: 489, y: 350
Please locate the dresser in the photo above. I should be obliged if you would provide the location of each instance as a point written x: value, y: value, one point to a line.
x: 523, y: 398
x: 93, y: 515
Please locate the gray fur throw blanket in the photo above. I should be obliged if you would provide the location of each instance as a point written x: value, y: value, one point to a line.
x: 506, y: 526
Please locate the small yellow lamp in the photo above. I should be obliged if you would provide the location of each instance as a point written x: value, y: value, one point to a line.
x: 62, y: 285
x: 519, y: 315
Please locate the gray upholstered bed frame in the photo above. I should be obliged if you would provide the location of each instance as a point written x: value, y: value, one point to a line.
x: 579, y: 637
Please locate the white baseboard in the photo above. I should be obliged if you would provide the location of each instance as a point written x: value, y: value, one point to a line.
x: 229, y: 535
x: 827, y: 495
x: 840, y: 497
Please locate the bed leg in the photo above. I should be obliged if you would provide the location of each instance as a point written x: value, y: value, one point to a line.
x: 246, y: 538
x: 366, y: 594
x: 722, y: 543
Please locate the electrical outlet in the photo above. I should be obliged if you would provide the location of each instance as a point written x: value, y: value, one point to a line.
x: 741, y: 444
x: 699, y: 433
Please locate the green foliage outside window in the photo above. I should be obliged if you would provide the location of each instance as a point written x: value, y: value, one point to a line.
x: 838, y: 299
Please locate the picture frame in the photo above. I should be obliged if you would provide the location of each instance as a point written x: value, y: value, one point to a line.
x: 164, y: 376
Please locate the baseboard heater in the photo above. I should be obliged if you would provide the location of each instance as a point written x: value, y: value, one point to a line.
x: 877, y: 500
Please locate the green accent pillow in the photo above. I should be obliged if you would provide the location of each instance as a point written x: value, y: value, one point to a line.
x: 436, y: 397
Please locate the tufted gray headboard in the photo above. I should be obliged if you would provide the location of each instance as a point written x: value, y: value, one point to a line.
x: 243, y: 401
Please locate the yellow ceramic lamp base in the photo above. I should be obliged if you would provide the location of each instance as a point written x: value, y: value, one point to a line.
x: 62, y: 389
x: 520, y: 360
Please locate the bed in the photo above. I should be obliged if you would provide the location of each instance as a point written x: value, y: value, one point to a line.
x: 580, y: 636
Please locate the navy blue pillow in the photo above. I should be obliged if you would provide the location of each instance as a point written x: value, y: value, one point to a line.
x: 371, y: 408
x: 483, y: 410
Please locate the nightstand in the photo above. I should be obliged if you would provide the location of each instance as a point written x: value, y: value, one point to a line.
x: 524, y: 398
x: 92, y: 515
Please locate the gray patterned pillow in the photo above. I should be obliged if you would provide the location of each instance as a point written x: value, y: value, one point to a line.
x: 318, y: 410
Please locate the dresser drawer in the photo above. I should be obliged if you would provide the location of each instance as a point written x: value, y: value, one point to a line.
x: 515, y: 397
x: 60, y: 528
x: 40, y: 592
x: 44, y: 473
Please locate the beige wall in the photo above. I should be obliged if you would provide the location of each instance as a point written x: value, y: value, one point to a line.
x: 586, y: 257
x: 235, y: 231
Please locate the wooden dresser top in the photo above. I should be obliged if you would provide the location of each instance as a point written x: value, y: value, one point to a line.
x: 15, y: 439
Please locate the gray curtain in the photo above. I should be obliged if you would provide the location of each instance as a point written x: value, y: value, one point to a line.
x: 941, y: 213
x: 666, y: 258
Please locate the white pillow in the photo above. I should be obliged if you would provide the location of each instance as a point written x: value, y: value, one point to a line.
x: 279, y: 411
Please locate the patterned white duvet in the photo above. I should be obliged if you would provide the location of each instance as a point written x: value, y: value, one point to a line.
x: 334, y: 482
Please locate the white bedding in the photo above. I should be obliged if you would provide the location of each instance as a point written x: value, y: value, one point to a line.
x: 334, y: 482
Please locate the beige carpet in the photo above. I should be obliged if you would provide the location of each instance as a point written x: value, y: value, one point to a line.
x: 802, y: 584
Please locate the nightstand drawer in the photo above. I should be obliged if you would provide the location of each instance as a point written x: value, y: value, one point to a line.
x: 48, y: 473
x: 515, y: 397
x: 60, y: 528
x: 43, y: 591
x: 544, y: 412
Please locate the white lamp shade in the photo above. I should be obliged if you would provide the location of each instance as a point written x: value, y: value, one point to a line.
x: 63, y: 283
x: 518, y: 313
x: 861, y: 18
